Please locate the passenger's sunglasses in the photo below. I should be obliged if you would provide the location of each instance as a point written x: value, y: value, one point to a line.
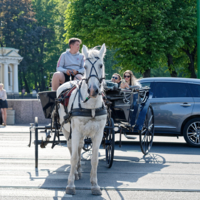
x: 126, y: 76
x: 115, y: 77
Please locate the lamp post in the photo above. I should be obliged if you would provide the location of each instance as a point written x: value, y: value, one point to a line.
x: 198, y: 38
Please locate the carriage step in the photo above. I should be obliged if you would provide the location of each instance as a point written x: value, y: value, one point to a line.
x: 129, y: 137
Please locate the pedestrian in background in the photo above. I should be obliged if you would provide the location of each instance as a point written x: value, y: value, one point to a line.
x: 3, y: 103
x: 23, y: 92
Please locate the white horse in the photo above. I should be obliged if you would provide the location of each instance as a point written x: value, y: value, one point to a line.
x: 92, y: 125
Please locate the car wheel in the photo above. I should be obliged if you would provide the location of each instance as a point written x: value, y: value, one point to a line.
x: 191, y: 132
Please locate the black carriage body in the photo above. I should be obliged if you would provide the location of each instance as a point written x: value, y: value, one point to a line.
x: 47, y: 99
x: 131, y: 112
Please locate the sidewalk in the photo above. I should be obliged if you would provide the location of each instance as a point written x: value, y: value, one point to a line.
x: 16, y: 128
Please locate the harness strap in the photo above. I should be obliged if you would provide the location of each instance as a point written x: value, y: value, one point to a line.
x: 88, y: 112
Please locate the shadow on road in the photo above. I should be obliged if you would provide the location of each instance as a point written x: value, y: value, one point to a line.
x: 126, y: 171
x: 160, y: 147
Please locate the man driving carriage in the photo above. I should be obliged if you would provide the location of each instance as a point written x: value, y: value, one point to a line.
x: 70, y: 63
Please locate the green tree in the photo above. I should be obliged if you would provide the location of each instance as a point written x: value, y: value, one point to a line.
x: 18, y: 30
x: 50, y: 17
x: 181, y: 22
x: 135, y: 28
x: 36, y: 28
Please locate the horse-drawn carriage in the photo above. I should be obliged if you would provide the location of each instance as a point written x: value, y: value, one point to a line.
x: 129, y: 113
x: 106, y: 111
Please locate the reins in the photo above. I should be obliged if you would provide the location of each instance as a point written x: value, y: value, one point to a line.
x: 82, y: 111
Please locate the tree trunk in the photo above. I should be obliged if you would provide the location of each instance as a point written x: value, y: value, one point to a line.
x: 191, y: 64
x: 147, y: 73
x: 20, y: 80
x: 35, y: 80
x: 41, y: 63
x: 191, y: 68
x: 26, y: 82
x: 172, y: 71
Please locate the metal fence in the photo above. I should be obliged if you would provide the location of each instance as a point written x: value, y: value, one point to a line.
x: 25, y: 96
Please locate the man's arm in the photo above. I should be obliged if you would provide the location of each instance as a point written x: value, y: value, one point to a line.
x: 82, y: 70
x: 61, y: 63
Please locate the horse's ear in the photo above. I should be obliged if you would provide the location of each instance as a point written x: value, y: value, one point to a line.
x: 102, y: 51
x: 85, y: 51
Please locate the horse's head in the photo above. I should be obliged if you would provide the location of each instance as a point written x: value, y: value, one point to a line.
x: 94, y: 69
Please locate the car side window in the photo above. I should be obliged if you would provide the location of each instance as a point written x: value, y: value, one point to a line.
x: 170, y: 90
x: 195, y: 89
x: 146, y: 84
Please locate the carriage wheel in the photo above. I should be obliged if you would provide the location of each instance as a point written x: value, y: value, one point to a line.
x: 147, y: 132
x: 110, y: 143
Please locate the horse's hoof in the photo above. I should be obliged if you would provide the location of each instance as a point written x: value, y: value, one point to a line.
x: 96, y: 191
x: 70, y: 191
x: 76, y: 177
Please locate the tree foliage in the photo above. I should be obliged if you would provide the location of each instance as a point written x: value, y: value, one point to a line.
x: 146, y: 33
x: 35, y: 27
x: 18, y: 30
x: 50, y: 17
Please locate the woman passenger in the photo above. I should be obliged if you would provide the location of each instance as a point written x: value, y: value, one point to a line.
x: 130, y: 80
x: 116, y: 78
x: 3, y: 103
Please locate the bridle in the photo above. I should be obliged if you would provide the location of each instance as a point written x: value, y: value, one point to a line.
x: 93, y: 75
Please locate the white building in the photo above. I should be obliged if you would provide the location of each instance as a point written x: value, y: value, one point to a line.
x: 9, y: 61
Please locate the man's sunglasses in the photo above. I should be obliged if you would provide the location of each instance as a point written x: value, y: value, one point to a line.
x: 126, y: 76
x: 115, y: 77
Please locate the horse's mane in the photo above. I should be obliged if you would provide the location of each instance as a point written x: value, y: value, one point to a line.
x: 94, y: 52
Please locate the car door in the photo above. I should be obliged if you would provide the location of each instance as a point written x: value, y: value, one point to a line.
x: 172, y: 103
x: 195, y: 89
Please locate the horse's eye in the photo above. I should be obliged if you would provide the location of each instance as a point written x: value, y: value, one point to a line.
x: 100, y: 65
x: 85, y: 67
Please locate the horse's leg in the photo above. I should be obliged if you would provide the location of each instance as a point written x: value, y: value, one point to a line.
x: 69, y: 144
x: 96, y: 141
x: 70, y: 189
x: 79, y: 169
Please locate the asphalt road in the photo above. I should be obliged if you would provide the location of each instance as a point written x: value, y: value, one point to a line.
x: 170, y: 171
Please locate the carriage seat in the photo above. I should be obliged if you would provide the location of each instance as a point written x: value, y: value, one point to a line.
x: 125, y: 107
x: 65, y: 95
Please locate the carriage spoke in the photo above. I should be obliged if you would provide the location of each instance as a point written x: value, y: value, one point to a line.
x: 150, y: 127
x: 143, y: 131
x: 144, y: 138
x: 150, y: 119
